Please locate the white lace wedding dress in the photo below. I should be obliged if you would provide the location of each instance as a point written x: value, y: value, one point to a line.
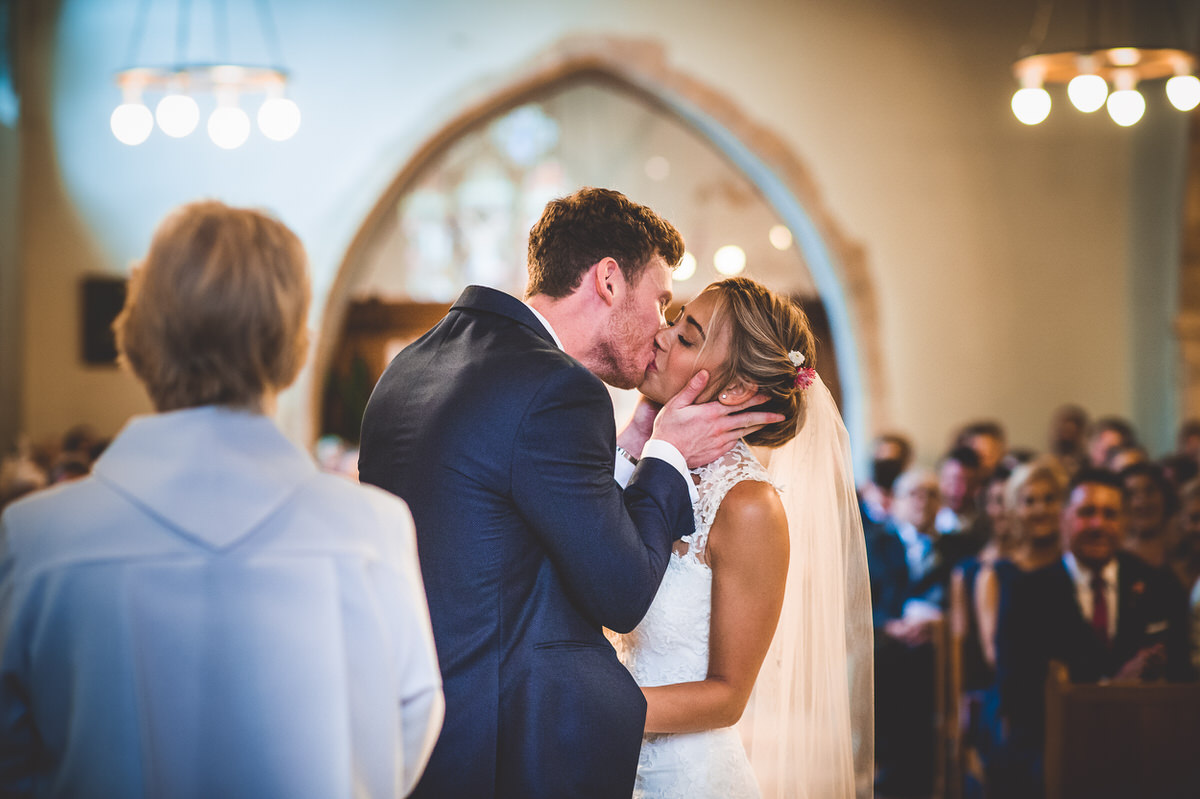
x: 671, y: 646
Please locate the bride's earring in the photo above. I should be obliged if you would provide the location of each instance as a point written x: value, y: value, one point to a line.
x: 724, y: 396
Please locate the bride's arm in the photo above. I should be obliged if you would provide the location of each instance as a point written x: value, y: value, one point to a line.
x: 748, y: 552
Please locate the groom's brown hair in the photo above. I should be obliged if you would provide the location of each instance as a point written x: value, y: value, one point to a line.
x: 592, y: 224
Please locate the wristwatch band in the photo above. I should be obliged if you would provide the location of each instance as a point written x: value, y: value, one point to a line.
x: 624, y: 453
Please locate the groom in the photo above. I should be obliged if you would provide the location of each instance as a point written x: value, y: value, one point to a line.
x: 496, y: 429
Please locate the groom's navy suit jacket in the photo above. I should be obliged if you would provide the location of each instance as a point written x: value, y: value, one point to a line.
x: 503, y: 447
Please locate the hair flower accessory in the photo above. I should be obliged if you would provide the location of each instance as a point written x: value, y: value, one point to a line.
x: 804, y: 377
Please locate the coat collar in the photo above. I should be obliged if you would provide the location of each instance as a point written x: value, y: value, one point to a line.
x: 482, y: 298
x: 213, y: 474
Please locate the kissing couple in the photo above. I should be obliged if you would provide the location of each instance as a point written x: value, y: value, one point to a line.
x: 736, y: 594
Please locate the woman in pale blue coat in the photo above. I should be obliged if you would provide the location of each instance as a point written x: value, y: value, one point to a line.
x: 207, y: 615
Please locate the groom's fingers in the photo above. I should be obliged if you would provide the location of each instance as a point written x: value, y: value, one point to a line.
x: 747, y: 423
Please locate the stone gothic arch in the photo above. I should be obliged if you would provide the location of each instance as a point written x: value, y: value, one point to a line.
x: 640, y: 67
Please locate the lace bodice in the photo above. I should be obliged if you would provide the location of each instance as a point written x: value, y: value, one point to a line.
x: 671, y: 646
x: 671, y: 643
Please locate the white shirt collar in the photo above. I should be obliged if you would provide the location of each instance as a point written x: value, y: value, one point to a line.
x: 546, y: 325
x: 1082, y: 576
x: 908, y: 533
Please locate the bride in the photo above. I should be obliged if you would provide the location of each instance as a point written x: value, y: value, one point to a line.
x: 764, y: 612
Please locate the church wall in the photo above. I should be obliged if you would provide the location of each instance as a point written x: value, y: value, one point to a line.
x: 10, y: 287
x: 1014, y: 268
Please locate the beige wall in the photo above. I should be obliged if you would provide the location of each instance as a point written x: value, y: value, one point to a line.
x: 1014, y: 268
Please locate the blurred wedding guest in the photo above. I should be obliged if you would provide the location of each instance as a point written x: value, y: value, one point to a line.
x: 995, y: 516
x: 958, y: 480
x: 1122, y: 456
x: 975, y: 672
x: 1179, y: 469
x: 999, y: 544
x: 19, y: 475
x: 893, y: 446
x: 1187, y: 442
x: 1033, y: 501
x: 1150, y: 503
x: 902, y: 559
x: 207, y: 615
x: 877, y: 493
x: 1068, y: 436
x: 1195, y: 604
x: 1102, y: 612
x: 67, y: 469
x: 891, y: 455
x: 1183, y: 554
x: 78, y: 443
x: 988, y: 440
x: 1104, y: 434
x: 336, y: 455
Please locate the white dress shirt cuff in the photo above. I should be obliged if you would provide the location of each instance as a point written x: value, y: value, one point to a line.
x: 623, y: 471
x: 657, y: 448
x: 919, y: 610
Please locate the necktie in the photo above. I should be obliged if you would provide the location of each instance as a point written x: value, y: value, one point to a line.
x: 1100, y: 609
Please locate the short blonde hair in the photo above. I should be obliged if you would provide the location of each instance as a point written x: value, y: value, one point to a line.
x: 764, y: 328
x: 217, y: 311
x: 1041, y: 470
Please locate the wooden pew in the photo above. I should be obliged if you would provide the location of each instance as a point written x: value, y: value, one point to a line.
x: 1121, y: 740
x: 961, y: 759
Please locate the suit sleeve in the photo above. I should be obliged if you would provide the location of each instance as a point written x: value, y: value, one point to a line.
x: 610, y: 548
x: 1179, y: 665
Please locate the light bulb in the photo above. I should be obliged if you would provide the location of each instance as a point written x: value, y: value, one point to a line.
x: 1126, y: 106
x: 279, y: 118
x: 729, y: 260
x: 1031, y: 105
x: 177, y: 115
x: 1184, y: 92
x: 658, y: 168
x: 686, y: 268
x: 780, y: 237
x: 229, y: 127
x: 1124, y: 56
x: 1087, y: 92
x: 131, y: 123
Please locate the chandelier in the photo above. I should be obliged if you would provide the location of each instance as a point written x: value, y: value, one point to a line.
x: 1109, y: 60
x: 222, y: 85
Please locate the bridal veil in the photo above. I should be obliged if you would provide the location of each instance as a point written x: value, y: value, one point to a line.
x: 808, y: 727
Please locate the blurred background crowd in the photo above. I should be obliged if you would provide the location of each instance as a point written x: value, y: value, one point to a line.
x: 953, y: 549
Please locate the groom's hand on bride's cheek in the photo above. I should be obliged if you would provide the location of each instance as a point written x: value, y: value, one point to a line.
x: 706, y: 431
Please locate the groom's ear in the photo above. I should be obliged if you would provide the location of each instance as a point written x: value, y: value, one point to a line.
x: 608, y: 280
x: 737, y: 392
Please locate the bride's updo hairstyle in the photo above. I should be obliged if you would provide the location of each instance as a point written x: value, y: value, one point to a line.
x: 764, y: 328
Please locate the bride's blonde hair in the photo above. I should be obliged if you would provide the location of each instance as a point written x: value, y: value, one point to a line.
x: 764, y: 328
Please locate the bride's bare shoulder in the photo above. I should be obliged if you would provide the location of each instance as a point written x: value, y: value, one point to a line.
x: 751, y: 515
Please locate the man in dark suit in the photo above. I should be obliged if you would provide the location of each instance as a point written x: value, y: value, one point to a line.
x: 1102, y: 612
x: 910, y: 565
x: 496, y: 429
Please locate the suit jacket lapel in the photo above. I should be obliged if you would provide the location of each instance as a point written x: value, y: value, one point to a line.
x: 1129, y: 616
x: 1086, y: 657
